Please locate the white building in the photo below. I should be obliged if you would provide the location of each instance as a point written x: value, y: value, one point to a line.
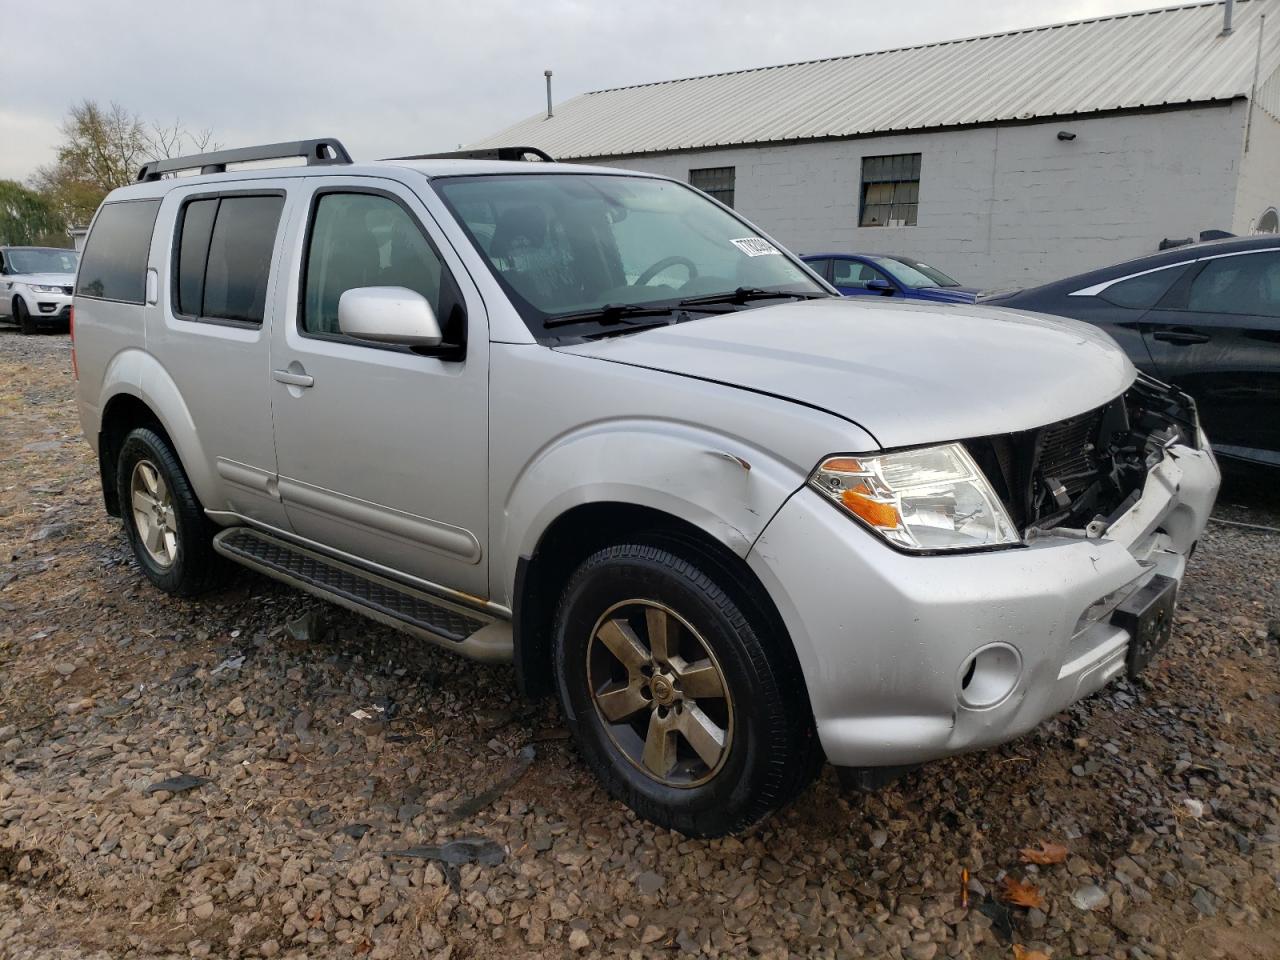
x: 1004, y: 160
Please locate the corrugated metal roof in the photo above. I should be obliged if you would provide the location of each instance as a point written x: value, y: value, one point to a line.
x: 1149, y: 59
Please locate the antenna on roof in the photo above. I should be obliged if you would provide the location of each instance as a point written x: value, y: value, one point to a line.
x: 547, y: 74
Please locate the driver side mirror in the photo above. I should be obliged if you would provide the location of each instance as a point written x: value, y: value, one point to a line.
x: 881, y: 286
x: 395, y: 315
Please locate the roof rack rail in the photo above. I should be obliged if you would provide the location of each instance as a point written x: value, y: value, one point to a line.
x: 326, y: 150
x: 487, y: 153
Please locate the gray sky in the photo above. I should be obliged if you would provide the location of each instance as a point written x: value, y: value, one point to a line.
x: 402, y: 76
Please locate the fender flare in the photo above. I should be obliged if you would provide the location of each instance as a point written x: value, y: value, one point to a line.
x: 135, y: 373
x: 724, y: 486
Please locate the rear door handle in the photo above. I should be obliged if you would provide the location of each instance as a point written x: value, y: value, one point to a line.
x: 1181, y: 337
x: 293, y: 379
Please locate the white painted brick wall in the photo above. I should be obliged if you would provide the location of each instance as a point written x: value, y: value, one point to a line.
x: 1003, y: 206
x: 1259, y: 172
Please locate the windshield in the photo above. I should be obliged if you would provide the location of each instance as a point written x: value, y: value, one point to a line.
x: 569, y: 245
x: 913, y: 273
x: 36, y: 260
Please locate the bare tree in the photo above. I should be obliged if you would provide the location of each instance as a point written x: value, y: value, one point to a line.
x: 102, y: 149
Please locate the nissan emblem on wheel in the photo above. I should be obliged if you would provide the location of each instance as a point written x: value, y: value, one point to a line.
x: 594, y: 424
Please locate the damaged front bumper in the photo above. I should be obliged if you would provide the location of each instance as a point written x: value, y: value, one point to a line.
x: 911, y: 658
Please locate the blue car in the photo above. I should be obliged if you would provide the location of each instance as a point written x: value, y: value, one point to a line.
x: 870, y: 274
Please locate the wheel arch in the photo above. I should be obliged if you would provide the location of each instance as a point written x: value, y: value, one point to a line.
x: 582, y: 530
x: 138, y: 392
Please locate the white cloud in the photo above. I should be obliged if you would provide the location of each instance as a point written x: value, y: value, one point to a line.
x: 403, y: 76
x: 27, y: 142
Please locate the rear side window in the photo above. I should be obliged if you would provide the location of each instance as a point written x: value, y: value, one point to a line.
x: 1248, y: 284
x: 1143, y: 292
x: 224, y: 257
x: 114, y: 264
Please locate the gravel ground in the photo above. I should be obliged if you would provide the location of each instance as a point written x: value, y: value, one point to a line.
x: 300, y: 830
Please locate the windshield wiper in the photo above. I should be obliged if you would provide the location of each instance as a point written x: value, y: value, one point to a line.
x: 743, y: 294
x: 608, y: 314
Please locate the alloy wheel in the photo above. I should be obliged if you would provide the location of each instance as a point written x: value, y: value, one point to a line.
x: 660, y: 693
x: 153, y: 513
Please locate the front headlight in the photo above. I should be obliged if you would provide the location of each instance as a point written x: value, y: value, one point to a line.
x: 933, y: 498
x: 45, y: 288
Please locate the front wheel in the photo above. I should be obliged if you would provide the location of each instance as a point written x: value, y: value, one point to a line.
x: 22, y: 317
x: 679, y: 698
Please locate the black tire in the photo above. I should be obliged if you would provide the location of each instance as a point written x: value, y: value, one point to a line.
x: 772, y: 751
x: 22, y: 316
x: 195, y: 567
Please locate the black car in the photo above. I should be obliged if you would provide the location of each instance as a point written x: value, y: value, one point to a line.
x: 1205, y: 317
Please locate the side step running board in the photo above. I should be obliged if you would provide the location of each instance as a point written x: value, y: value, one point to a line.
x: 471, y: 633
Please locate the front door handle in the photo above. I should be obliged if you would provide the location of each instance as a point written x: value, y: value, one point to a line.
x: 293, y: 379
x: 1183, y: 338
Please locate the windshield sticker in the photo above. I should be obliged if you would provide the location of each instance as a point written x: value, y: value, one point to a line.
x: 756, y: 247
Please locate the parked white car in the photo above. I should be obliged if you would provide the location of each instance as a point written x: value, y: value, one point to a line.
x: 36, y: 285
x: 591, y: 422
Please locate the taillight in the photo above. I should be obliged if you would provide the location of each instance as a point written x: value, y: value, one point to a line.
x: 71, y: 320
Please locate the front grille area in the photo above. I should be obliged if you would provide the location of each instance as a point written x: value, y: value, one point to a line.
x: 1090, y: 467
x: 1068, y: 456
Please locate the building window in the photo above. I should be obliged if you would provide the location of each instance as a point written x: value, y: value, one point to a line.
x: 890, y: 190
x: 715, y: 181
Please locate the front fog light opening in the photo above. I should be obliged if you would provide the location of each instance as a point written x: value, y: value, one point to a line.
x: 988, y: 676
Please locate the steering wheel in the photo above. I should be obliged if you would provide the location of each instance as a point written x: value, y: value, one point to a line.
x: 663, y: 264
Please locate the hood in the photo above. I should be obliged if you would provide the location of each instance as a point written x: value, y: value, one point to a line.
x: 907, y: 373
x: 48, y: 279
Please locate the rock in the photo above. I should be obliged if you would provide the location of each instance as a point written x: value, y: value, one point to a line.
x: 652, y: 933
x: 269, y: 948
x: 921, y: 951
x: 1204, y: 904
x: 578, y: 940
x: 203, y: 910
x: 649, y: 883
x: 65, y: 669
x: 1090, y: 897
x: 236, y: 707
x: 878, y: 839
x: 1194, y: 807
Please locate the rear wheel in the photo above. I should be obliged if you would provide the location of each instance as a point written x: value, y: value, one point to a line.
x: 22, y: 316
x: 167, y: 529
x: 678, y: 697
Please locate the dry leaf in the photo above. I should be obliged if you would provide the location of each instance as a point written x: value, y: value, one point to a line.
x: 964, y: 888
x: 1048, y: 853
x: 1022, y: 953
x: 1020, y: 894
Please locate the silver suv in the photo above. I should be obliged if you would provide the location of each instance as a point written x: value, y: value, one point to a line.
x: 593, y: 423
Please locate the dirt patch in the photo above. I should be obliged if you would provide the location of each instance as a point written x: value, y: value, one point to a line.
x: 1166, y: 792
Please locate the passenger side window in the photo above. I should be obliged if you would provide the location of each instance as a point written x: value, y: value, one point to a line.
x: 851, y: 273
x: 224, y: 257
x: 1143, y: 292
x: 1247, y: 283
x: 114, y: 265
x: 368, y: 240
x: 819, y: 267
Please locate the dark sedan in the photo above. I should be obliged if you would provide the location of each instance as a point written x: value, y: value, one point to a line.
x: 874, y: 274
x: 1205, y: 317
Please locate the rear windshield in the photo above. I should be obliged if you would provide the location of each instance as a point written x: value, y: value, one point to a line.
x: 114, y: 265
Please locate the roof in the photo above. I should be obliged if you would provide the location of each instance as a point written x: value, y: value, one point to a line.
x: 430, y: 168
x: 1130, y: 61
